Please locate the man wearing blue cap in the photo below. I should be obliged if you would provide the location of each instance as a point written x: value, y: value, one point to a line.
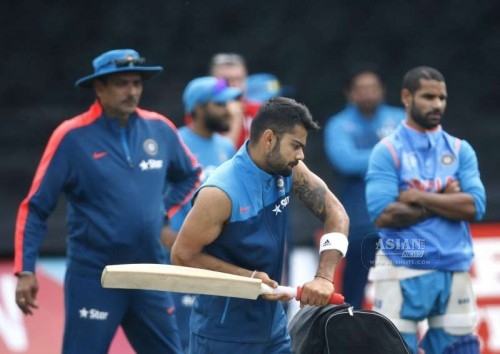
x: 113, y: 163
x: 205, y: 100
x: 261, y: 87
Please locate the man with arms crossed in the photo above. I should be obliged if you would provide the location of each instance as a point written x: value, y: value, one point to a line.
x: 238, y: 225
x: 422, y: 189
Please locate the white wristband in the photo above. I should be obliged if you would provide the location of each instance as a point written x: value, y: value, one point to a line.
x: 334, y: 241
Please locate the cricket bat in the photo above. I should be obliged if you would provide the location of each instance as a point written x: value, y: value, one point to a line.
x: 180, y: 279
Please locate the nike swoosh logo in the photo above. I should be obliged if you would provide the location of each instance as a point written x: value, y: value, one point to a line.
x: 244, y: 210
x: 98, y: 155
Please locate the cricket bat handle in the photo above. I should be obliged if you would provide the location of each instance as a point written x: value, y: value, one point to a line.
x: 335, y: 299
x: 297, y: 293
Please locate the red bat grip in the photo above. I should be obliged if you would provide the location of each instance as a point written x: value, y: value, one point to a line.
x: 335, y: 299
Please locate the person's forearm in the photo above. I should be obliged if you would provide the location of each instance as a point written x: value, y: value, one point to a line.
x: 168, y: 236
x: 328, y: 262
x: 207, y: 261
x: 448, y: 204
x: 455, y: 206
x: 399, y: 214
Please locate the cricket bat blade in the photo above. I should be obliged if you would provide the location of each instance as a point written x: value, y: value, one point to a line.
x: 179, y: 279
x: 190, y: 280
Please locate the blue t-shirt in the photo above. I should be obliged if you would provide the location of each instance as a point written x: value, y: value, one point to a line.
x: 427, y: 161
x: 210, y: 153
x: 349, y: 138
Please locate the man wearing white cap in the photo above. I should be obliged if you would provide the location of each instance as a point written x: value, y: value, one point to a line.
x: 113, y: 163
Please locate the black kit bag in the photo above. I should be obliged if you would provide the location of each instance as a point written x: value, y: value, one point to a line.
x: 338, y: 329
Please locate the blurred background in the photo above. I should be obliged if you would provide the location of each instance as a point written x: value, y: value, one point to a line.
x: 47, y: 45
x: 309, y: 45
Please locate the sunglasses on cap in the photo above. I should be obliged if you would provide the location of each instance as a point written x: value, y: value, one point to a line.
x: 129, y: 61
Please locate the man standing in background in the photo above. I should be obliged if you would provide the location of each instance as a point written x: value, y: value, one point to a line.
x: 349, y: 138
x: 261, y: 87
x: 423, y: 187
x: 206, y: 100
x: 233, y: 68
x: 113, y: 163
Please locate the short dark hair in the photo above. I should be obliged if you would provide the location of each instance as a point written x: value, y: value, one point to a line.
x: 357, y: 70
x: 281, y: 115
x: 411, y: 80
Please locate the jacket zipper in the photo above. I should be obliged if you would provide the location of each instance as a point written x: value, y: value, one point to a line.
x: 126, y: 148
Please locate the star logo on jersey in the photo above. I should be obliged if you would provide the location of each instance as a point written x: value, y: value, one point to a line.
x: 150, y: 164
x: 278, y: 208
x: 84, y: 313
x: 93, y: 314
x: 143, y: 165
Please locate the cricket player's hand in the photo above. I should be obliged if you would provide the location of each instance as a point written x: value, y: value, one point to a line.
x: 452, y: 187
x: 26, y: 291
x: 168, y: 236
x: 273, y: 284
x: 317, y: 292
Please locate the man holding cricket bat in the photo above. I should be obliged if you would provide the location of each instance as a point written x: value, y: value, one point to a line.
x: 238, y: 225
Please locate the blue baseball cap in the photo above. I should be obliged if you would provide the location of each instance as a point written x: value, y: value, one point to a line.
x: 116, y: 61
x: 262, y: 87
x: 208, y: 89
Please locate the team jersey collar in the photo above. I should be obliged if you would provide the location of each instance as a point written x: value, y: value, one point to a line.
x: 359, y: 116
x: 244, y: 161
x: 96, y: 110
x: 422, y: 140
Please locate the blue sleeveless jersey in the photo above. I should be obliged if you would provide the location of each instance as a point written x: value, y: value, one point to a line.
x: 427, y: 161
x: 254, y: 238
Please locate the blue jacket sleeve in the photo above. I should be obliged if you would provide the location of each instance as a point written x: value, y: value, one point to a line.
x: 382, y: 181
x: 183, y: 176
x: 51, y: 177
x: 469, y: 178
x: 341, y: 149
